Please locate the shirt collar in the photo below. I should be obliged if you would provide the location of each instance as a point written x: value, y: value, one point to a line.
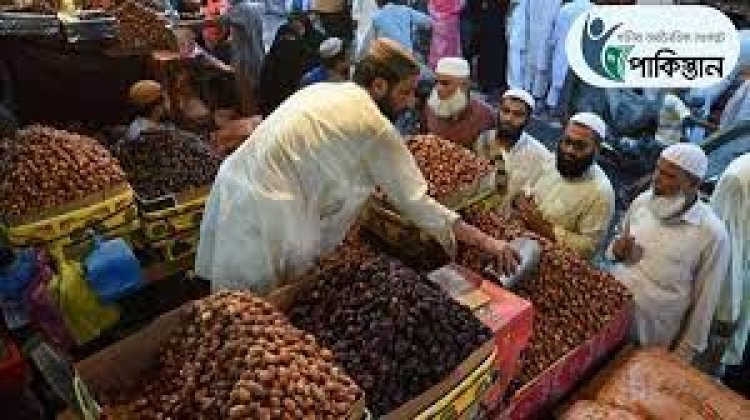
x: 694, y: 214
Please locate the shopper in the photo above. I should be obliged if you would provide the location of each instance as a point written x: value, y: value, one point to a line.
x: 398, y: 23
x: 153, y: 108
x: 334, y: 64
x: 673, y: 254
x: 572, y: 202
x: 293, y: 53
x: 451, y: 112
x: 292, y: 190
x: 245, y: 22
x: 731, y: 202
x: 446, y: 40
x: 518, y: 157
x: 489, y: 19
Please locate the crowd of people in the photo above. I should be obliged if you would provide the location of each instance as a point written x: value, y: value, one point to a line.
x: 294, y: 186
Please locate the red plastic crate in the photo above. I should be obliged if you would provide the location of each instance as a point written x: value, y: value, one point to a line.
x: 13, y: 373
x: 559, y: 379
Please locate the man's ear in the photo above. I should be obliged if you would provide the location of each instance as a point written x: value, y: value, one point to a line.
x: 379, y: 88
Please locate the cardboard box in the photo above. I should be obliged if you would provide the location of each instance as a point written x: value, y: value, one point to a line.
x: 458, y: 393
x: 556, y: 381
x: 507, y: 315
x: 120, y: 366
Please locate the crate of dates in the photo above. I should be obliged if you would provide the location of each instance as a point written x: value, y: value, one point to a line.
x: 56, y: 185
x: 142, y: 29
x: 581, y: 315
x: 415, y: 351
x: 171, y: 172
x: 231, y: 356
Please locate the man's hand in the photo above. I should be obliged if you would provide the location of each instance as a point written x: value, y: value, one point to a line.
x: 507, y: 258
x: 625, y: 249
x: 685, y: 352
x: 532, y: 217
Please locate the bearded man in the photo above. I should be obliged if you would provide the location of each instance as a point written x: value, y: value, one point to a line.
x: 673, y: 254
x: 572, y: 202
x: 451, y: 113
x: 518, y: 157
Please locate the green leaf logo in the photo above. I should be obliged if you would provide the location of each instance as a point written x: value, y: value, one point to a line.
x: 615, y: 61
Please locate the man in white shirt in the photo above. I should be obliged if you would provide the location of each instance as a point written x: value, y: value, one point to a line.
x: 673, y: 254
x: 572, y: 202
x: 518, y: 157
x: 672, y: 118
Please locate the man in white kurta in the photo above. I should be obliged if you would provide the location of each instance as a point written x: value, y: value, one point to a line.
x: 572, y: 202
x: 291, y: 191
x: 559, y: 34
x: 541, y: 17
x: 517, y: 28
x: 518, y: 157
x: 731, y: 202
x: 673, y: 255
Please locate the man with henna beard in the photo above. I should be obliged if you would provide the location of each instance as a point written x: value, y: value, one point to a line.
x: 573, y: 201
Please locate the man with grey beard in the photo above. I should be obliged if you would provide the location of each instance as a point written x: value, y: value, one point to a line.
x: 451, y: 113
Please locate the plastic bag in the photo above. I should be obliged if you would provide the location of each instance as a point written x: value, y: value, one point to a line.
x: 112, y: 269
x: 84, y: 315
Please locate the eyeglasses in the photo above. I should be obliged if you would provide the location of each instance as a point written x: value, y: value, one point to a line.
x: 575, y: 144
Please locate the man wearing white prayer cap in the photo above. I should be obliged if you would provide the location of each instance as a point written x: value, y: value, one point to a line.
x: 673, y: 254
x: 334, y: 63
x: 518, y: 157
x: 451, y: 112
x: 573, y: 201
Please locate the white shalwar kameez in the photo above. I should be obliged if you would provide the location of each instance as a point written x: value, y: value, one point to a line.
x: 677, y: 281
x: 579, y: 209
x: 541, y: 17
x: 517, y: 32
x: 292, y: 190
x: 560, y: 67
x: 731, y: 202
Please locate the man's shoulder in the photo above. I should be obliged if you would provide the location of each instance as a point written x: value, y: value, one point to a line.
x: 603, y: 184
x: 711, y: 224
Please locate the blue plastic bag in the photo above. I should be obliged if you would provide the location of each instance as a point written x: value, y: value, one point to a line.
x: 112, y: 270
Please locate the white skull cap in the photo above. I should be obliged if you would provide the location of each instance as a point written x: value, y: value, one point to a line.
x: 592, y: 121
x: 453, y: 66
x: 689, y: 157
x: 521, y: 95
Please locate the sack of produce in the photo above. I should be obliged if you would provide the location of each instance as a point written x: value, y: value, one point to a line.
x: 657, y: 384
x: 43, y: 168
x: 592, y: 410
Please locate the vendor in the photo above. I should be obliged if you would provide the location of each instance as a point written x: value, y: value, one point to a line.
x: 152, y: 104
x: 673, y: 254
x: 572, y: 202
x: 518, y: 157
x: 334, y: 64
x: 451, y: 112
x: 290, y: 193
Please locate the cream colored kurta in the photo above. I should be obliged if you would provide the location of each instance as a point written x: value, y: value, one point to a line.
x: 580, y: 210
x: 677, y: 281
x: 293, y: 189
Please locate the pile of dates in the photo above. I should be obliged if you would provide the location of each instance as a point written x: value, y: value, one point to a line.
x: 395, y: 332
x: 446, y: 166
x: 141, y: 28
x: 43, y: 168
x: 167, y: 161
x: 572, y: 299
x: 238, y: 358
